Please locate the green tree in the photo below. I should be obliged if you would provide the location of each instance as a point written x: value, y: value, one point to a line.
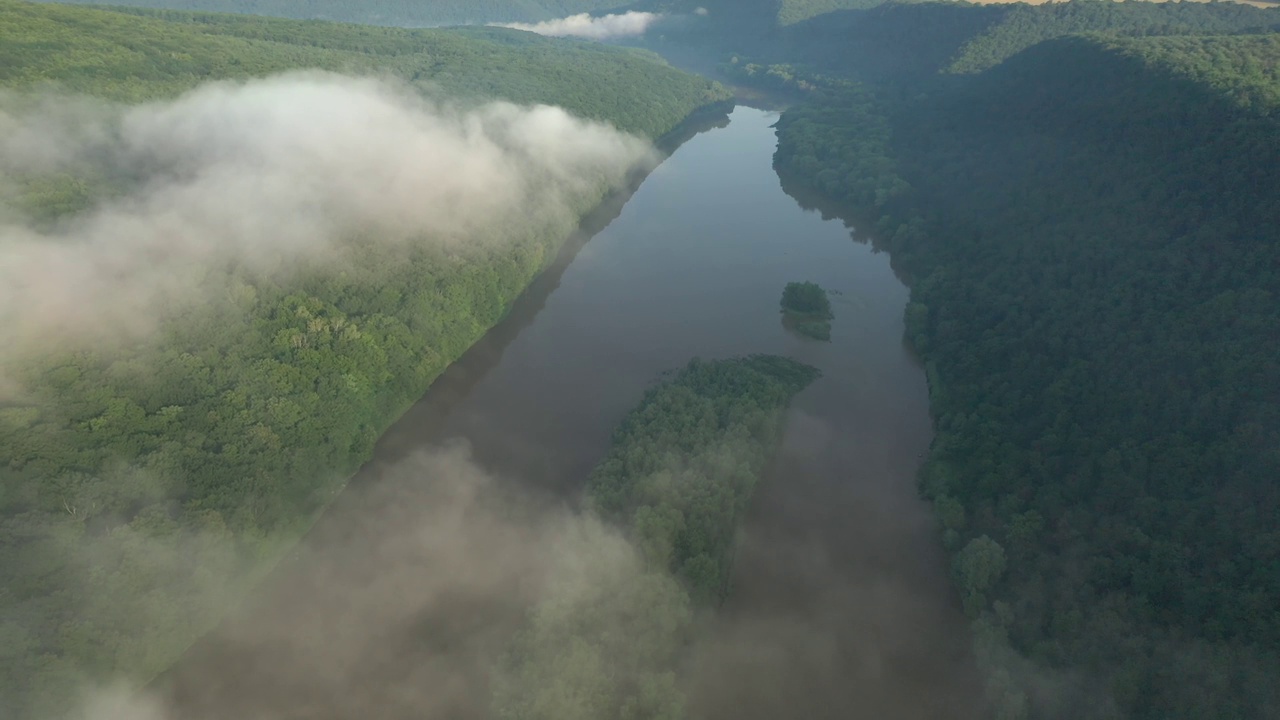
x: 978, y: 566
x: 806, y: 298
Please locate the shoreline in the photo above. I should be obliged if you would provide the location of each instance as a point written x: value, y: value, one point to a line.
x: 460, y: 375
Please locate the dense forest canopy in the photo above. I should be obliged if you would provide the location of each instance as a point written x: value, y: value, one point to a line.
x: 148, y: 480
x: 806, y: 298
x: 403, y: 13
x: 900, y: 40
x: 1024, y: 26
x: 1089, y: 226
x: 133, y: 57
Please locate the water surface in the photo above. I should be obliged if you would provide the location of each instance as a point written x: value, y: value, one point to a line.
x: 842, y: 607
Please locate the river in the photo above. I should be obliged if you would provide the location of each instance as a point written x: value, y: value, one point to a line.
x: 403, y: 593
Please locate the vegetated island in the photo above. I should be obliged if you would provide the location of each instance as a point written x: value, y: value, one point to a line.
x: 608, y: 637
x: 807, y: 310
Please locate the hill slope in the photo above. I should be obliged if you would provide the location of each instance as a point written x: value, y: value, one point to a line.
x: 131, y: 57
x: 403, y: 13
x: 907, y: 40
x: 1091, y: 229
x: 148, y: 480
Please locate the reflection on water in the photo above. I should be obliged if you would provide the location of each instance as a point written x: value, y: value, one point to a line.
x: 841, y: 608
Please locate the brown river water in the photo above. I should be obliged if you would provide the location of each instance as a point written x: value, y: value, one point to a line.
x: 400, y: 599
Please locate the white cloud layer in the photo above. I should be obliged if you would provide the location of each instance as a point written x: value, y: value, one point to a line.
x: 607, y: 27
x: 264, y: 175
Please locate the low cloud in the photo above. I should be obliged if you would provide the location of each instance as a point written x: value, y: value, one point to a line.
x: 263, y: 176
x: 404, y: 611
x: 606, y: 27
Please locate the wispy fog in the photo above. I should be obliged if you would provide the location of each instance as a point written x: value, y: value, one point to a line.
x: 403, y: 611
x: 606, y: 27
x: 261, y: 176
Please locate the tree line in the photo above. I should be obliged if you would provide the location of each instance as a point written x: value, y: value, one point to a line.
x: 926, y: 42
x: 403, y: 13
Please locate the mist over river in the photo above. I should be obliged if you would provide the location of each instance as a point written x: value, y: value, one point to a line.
x: 405, y: 592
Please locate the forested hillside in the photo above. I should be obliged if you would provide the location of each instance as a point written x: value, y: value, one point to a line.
x: 133, y: 57
x: 896, y: 41
x: 608, y: 640
x: 794, y: 11
x: 147, y: 481
x: 402, y: 13
x: 1090, y: 231
x: 1023, y: 26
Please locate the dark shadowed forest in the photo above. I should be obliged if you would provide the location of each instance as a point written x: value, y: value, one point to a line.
x: 1087, y: 225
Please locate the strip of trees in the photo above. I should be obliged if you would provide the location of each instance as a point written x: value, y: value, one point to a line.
x: 608, y: 638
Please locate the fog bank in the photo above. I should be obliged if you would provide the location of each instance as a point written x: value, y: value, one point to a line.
x: 403, y: 613
x: 605, y: 27
x: 260, y: 176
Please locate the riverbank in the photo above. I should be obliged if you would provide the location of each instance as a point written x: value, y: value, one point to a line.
x: 535, y: 403
x: 453, y: 379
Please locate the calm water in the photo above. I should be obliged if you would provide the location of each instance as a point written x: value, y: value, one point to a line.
x: 398, y: 601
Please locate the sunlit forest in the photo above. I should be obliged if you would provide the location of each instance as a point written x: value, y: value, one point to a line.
x: 218, y: 440
x: 893, y: 44
x: 127, y: 57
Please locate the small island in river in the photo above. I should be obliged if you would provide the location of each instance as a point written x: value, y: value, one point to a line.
x: 807, y: 310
